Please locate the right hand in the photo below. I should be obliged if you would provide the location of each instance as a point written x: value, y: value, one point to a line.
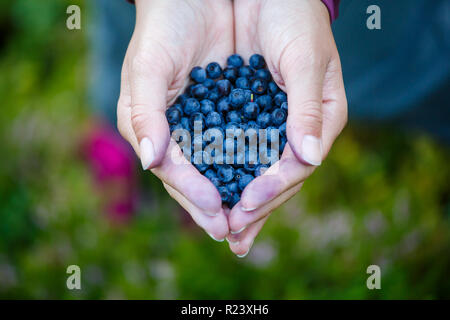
x: 170, y: 38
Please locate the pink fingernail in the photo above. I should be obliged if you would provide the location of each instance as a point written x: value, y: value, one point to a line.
x: 247, y: 209
x: 239, y: 231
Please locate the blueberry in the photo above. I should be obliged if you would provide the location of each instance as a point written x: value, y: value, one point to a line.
x: 209, y: 83
x: 235, y: 198
x: 199, y: 91
x: 225, y: 173
x: 213, y: 70
x: 223, y: 87
x: 279, y: 98
x: 197, y: 160
x: 182, y: 99
x: 264, y: 120
x: 257, y: 61
x: 223, y: 105
x: 192, y: 106
x: 232, y: 127
x: 248, y: 95
x: 213, y: 95
x: 234, y: 116
x: 246, y: 72
x: 260, y: 169
x: 245, y: 180
x: 179, y: 107
x: 259, y: 86
x: 242, y: 83
x: 231, y: 73
x: 282, y: 145
x: 284, y: 106
x: 264, y: 102
x: 174, y: 127
x: 224, y: 194
x: 233, y: 187
x: 250, y: 110
x: 206, y: 106
x: 210, y: 174
x: 198, y: 74
x: 216, y: 182
x: 252, y: 125
x: 237, y: 98
x: 173, y: 115
x: 195, y: 118
x: 213, y: 119
x: 184, y: 122
x: 272, y: 88
x: 282, y: 129
x: 263, y: 74
x: 239, y: 173
x: 279, y: 116
x: 235, y: 60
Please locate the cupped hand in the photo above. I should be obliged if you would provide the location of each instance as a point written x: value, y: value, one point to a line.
x: 296, y: 40
x: 170, y: 38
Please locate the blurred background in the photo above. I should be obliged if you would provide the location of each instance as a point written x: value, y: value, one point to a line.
x: 382, y: 196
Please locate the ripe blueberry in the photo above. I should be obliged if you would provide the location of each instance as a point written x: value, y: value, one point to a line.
x: 213, y: 70
x: 192, y: 106
x: 231, y: 73
x: 213, y: 119
x: 223, y: 87
x: 244, y: 181
x: 259, y: 86
x: 251, y: 110
x: 264, y: 120
x: 279, y: 116
x: 257, y: 61
x: 242, y: 83
x: 237, y: 98
x: 198, y: 74
x: 235, y: 60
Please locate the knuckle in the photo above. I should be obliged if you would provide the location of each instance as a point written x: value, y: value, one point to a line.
x: 139, y: 63
x: 310, y: 114
x: 139, y: 118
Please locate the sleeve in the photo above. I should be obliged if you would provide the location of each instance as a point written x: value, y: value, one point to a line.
x: 333, y: 8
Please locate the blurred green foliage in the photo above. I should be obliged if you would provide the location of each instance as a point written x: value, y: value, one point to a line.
x: 381, y: 197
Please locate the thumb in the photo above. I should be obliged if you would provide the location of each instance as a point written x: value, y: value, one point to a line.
x: 304, y: 86
x: 148, y: 86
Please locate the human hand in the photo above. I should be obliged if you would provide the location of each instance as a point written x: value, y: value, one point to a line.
x: 170, y: 38
x: 296, y: 40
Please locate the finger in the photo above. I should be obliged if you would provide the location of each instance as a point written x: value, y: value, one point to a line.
x: 124, y: 110
x: 242, y: 247
x: 216, y: 227
x: 304, y: 77
x: 239, y: 219
x: 334, y: 103
x: 148, y: 88
x: 176, y: 171
x: 280, y: 177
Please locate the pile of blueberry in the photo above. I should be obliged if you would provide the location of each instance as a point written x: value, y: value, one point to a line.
x: 237, y: 97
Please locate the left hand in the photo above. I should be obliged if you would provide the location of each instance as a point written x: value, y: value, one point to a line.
x: 296, y: 40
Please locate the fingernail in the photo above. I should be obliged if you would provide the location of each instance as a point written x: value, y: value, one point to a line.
x: 232, y: 242
x: 218, y: 240
x: 245, y: 254
x: 312, y: 150
x: 247, y: 209
x: 239, y: 231
x: 147, y: 153
x: 212, y: 214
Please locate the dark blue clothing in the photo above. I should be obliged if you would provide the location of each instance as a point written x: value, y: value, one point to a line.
x: 399, y: 73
